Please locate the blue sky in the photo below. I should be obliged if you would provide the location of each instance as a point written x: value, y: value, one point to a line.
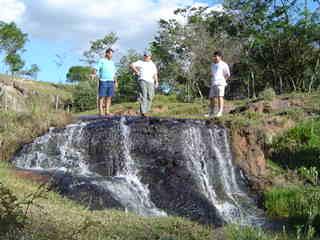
x: 65, y: 27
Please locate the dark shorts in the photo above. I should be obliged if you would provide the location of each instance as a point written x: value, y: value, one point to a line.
x: 106, y: 89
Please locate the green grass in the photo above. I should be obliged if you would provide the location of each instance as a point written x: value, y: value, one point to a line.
x: 299, y: 147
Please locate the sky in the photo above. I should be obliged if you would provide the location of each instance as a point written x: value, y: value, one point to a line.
x: 66, y: 27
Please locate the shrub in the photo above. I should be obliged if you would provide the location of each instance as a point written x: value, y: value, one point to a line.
x: 85, y: 96
x: 299, y: 147
x: 12, y: 217
x: 268, y: 94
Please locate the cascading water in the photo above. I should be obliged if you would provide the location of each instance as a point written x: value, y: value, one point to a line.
x: 126, y: 186
x: 66, y: 154
x: 56, y: 151
x: 216, y: 177
x: 143, y: 165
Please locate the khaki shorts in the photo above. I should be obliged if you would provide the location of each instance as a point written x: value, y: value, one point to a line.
x: 217, y: 91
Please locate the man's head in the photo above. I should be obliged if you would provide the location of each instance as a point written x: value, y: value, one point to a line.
x: 109, y: 53
x: 217, y: 56
x: 147, y: 56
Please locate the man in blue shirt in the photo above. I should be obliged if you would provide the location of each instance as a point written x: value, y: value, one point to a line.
x: 106, y: 71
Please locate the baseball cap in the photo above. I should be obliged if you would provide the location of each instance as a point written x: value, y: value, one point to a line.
x: 147, y: 53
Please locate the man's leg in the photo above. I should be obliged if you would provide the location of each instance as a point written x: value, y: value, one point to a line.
x: 108, y: 105
x: 143, y: 97
x: 150, y: 96
x: 220, y: 100
x: 221, y: 104
x: 101, y: 106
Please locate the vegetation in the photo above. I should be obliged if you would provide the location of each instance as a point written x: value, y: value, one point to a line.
x: 299, y: 147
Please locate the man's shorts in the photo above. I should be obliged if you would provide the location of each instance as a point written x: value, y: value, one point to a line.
x: 217, y: 91
x: 106, y: 88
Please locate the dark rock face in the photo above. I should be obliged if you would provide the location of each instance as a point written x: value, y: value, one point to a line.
x: 146, y: 165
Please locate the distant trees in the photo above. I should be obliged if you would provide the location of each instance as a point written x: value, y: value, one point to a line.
x: 79, y: 74
x: 268, y: 44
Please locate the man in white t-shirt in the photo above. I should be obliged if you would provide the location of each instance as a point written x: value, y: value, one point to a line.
x: 148, y: 81
x: 220, y: 73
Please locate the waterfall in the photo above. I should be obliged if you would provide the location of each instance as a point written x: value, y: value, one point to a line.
x: 56, y: 151
x: 127, y: 186
x: 141, y: 165
x: 216, y: 176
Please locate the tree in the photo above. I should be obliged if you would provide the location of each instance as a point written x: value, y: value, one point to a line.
x: 79, y: 74
x: 184, y: 51
x: 98, y: 47
x: 15, y: 63
x: 127, y: 89
x: 33, y: 71
x: 12, y: 41
x: 59, y: 61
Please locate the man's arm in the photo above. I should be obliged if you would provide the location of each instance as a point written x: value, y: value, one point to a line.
x: 226, y: 72
x: 156, y: 80
x: 134, y: 68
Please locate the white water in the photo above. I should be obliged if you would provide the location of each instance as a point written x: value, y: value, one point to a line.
x: 56, y: 151
x: 210, y: 174
x: 127, y: 187
x: 65, y: 154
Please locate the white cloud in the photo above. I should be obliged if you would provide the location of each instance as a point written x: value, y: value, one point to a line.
x: 11, y: 10
x: 80, y: 21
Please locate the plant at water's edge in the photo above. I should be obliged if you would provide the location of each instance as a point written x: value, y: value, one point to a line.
x: 310, y: 174
x: 236, y: 232
x: 301, y: 206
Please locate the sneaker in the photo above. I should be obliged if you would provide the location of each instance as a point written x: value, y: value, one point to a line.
x: 219, y: 114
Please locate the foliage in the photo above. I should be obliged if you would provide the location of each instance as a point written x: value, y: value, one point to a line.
x: 12, y: 217
x: 127, y: 81
x: 268, y: 94
x: 79, y: 74
x: 32, y: 72
x: 269, y: 44
x: 12, y: 41
x: 300, y: 205
x: 310, y: 174
x: 235, y: 232
x: 85, y: 96
x: 299, y: 147
x: 98, y: 47
x: 15, y: 62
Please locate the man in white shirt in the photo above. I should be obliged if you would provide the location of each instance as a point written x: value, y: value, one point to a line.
x: 148, y: 81
x: 220, y: 73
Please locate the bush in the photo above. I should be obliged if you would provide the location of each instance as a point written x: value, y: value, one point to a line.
x: 299, y: 147
x: 85, y: 96
x: 268, y: 94
x: 12, y: 218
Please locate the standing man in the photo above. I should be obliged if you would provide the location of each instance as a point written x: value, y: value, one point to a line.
x: 220, y: 74
x: 107, y: 82
x: 148, y: 81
